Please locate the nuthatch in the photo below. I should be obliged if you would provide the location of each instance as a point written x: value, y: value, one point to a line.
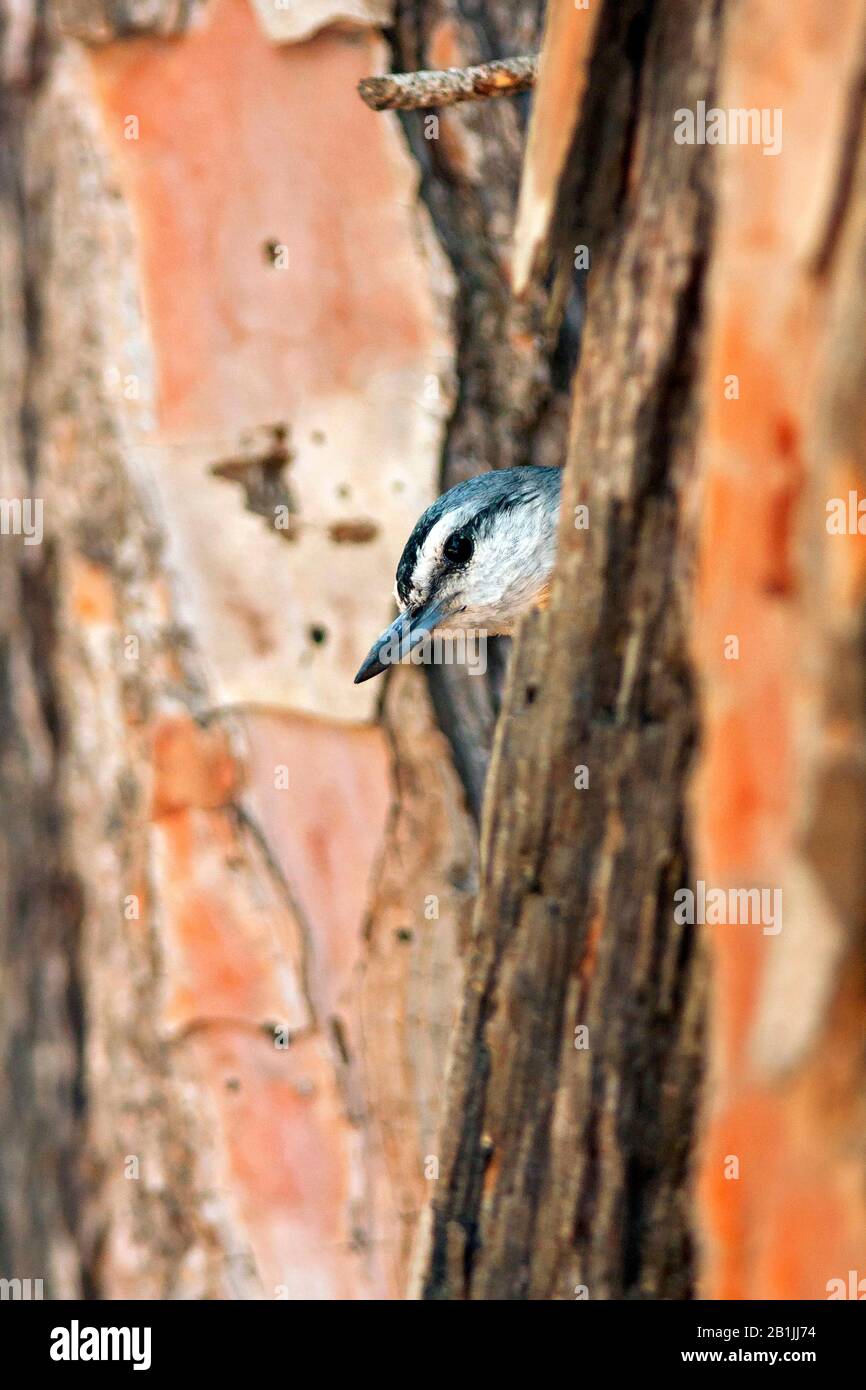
x: 479, y: 557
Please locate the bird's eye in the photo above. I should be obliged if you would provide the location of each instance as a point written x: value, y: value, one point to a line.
x: 458, y: 549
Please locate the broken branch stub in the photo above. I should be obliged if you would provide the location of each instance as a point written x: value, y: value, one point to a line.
x: 414, y: 91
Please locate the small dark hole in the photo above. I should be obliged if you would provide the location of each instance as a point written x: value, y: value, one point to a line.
x: 404, y: 934
x: 318, y: 635
x: 531, y: 692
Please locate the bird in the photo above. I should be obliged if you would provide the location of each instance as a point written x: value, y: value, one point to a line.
x: 478, y: 558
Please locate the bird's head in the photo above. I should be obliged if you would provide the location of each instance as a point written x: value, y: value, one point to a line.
x: 478, y: 558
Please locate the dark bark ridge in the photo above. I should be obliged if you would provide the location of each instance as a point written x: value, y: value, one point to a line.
x: 40, y: 900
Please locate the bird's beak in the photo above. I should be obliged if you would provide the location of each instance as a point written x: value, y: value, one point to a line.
x: 401, y: 638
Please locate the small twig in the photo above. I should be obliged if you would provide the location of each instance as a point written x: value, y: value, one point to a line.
x: 412, y: 91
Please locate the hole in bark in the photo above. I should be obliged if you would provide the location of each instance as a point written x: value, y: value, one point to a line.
x: 260, y: 475
x: 353, y: 532
x: 271, y: 250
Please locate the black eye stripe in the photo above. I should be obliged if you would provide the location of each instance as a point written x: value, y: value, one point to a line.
x: 477, y: 525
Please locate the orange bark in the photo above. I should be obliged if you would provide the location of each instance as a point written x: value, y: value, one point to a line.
x: 785, y: 1095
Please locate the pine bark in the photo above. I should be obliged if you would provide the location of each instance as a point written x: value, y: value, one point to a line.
x: 567, y: 1152
x: 585, y: 1145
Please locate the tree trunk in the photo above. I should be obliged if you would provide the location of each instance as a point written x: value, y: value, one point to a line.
x: 573, y: 1083
x: 780, y: 797
x: 237, y: 891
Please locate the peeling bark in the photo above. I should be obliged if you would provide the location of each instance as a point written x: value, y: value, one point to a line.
x: 210, y: 1121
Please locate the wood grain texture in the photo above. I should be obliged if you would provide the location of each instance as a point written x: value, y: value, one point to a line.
x: 40, y: 898
x: 567, y: 1166
x: 569, y: 38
